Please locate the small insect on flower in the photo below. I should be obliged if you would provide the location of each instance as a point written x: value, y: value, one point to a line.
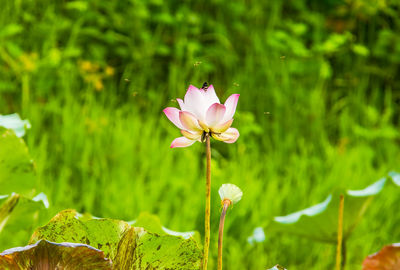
x: 205, y: 86
x: 231, y: 193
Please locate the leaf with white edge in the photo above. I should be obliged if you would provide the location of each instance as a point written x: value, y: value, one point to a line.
x: 16, y: 166
x: 152, y: 224
x: 14, y: 122
x: 371, y: 190
x: 311, y: 211
x: 45, y: 255
x: 41, y: 197
x: 319, y: 222
x: 395, y: 177
x: 185, y: 235
x: 128, y: 247
x: 19, y: 216
x: 388, y: 258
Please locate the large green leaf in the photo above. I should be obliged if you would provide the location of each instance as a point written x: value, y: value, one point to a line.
x: 47, y: 255
x: 152, y: 223
x: 320, y: 221
x: 103, y: 234
x: 16, y: 165
x: 128, y: 247
x: 19, y: 216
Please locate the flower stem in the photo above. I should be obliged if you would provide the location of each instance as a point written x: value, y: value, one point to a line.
x: 208, y: 202
x: 221, y: 233
x: 25, y: 94
x: 340, y: 234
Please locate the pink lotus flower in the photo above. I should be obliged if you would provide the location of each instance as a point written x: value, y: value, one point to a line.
x: 201, y: 112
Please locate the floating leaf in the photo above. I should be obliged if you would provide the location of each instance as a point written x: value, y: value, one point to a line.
x: 257, y: 237
x: 388, y: 258
x: 47, y: 255
x: 19, y: 216
x: 16, y: 166
x: 14, y: 122
x: 319, y: 222
x: 128, y: 247
x: 395, y: 177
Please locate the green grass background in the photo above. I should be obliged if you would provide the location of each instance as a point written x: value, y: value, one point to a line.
x: 319, y: 110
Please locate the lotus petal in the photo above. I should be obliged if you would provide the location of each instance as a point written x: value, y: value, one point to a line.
x: 195, y: 102
x: 222, y: 127
x: 190, y: 135
x: 173, y: 116
x: 215, y: 114
x: 182, y: 142
x: 189, y: 121
x: 181, y: 104
x: 230, y: 105
x: 210, y: 96
x: 229, y: 136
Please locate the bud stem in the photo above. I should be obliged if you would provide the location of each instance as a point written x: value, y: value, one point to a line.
x: 221, y: 232
x: 340, y: 234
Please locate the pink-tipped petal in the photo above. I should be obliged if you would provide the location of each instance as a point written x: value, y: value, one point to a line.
x: 182, y: 142
x: 215, y: 114
x: 231, y: 133
x: 210, y: 96
x: 173, y: 116
x: 191, y: 135
x: 189, y: 121
x: 181, y: 104
x: 229, y: 136
x: 230, y: 105
x: 222, y: 127
x: 195, y: 102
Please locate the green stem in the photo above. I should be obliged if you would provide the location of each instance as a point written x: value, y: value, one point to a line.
x: 25, y: 94
x: 221, y: 233
x: 340, y: 234
x: 208, y: 203
x: 344, y: 255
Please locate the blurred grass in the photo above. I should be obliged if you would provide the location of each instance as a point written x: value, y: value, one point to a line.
x: 319, y: 109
